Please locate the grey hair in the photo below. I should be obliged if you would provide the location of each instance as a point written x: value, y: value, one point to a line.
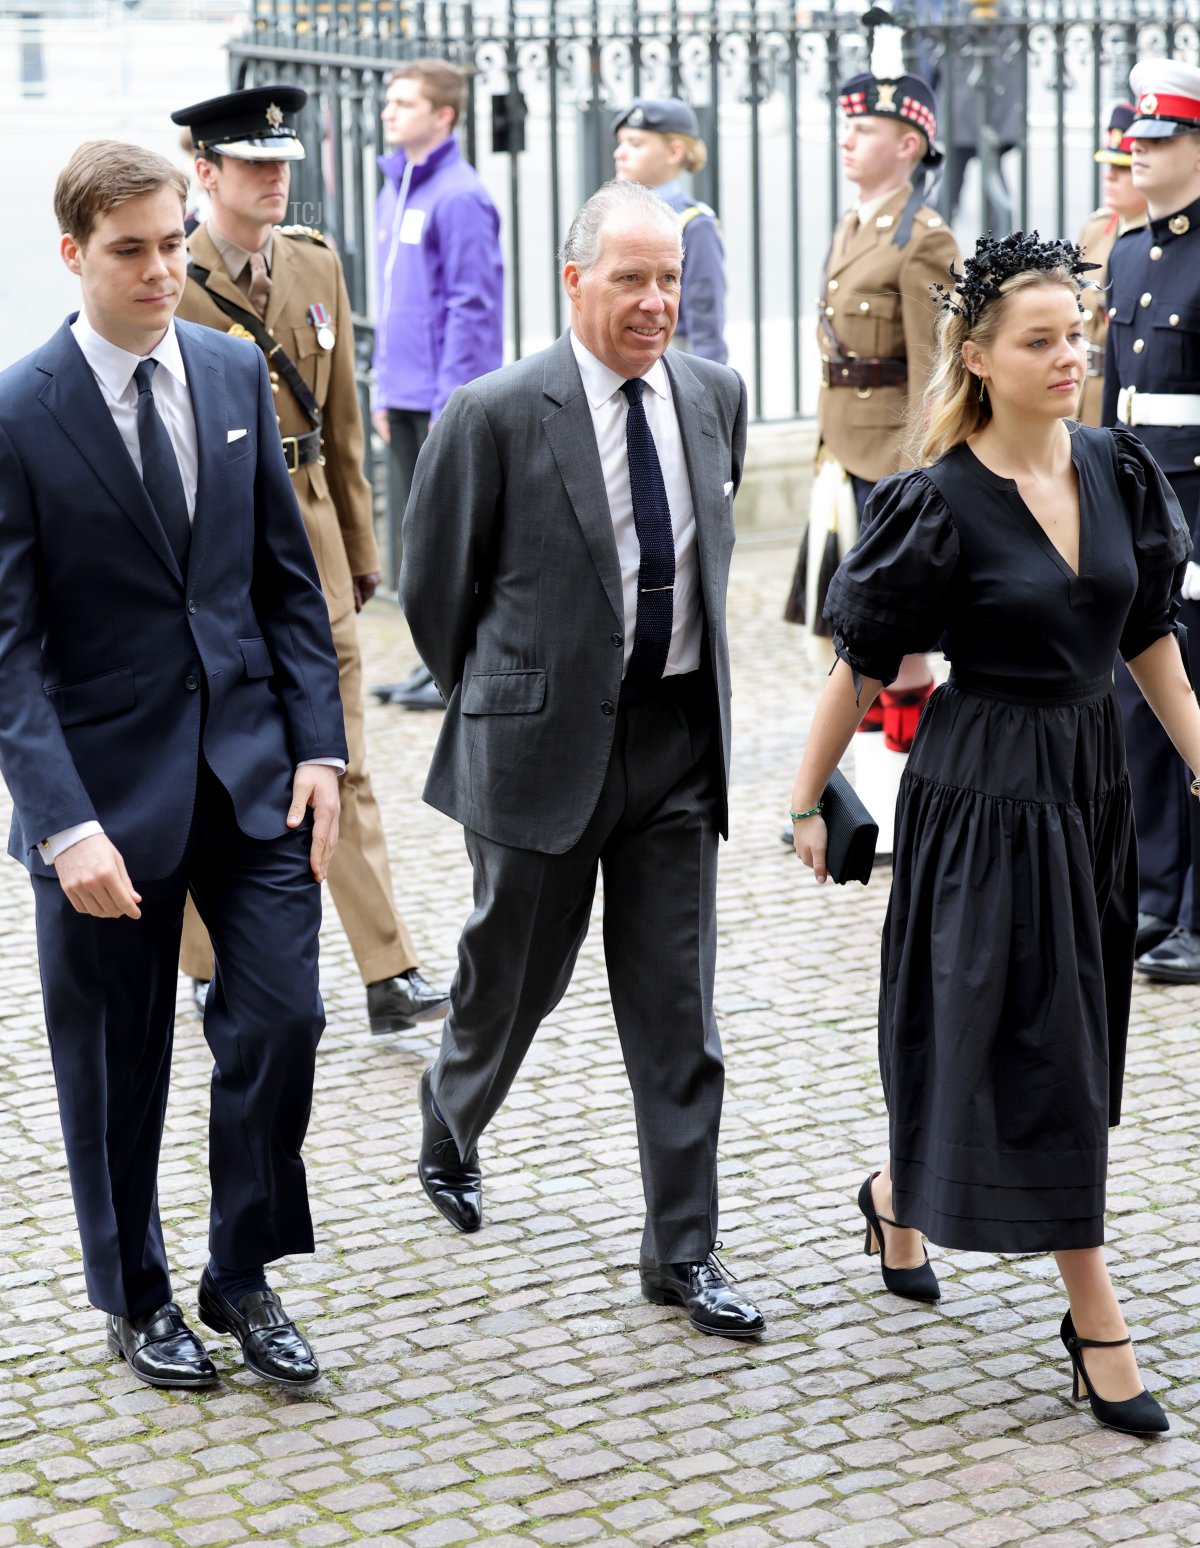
x: 615, y: 199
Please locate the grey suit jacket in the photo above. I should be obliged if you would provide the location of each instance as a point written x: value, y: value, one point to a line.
x: 512, y: 588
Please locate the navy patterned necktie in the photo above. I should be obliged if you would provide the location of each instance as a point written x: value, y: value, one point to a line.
x: 160, y: 467
x: 656, y: 538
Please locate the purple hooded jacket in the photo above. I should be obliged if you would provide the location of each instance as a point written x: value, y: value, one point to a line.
x: 441, y: 280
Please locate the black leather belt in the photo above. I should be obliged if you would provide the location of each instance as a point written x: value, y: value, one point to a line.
x: 299, y: 450
x: 850, y: 371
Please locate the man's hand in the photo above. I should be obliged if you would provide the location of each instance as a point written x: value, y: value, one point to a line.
x: 1190, y: 590
x: 316, y: 785
x: 94, y: 878
x: 379, y: 418
x: 365, y: 587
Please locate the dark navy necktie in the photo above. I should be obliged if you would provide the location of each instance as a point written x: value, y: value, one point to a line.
x: 160, y: 467
x: 656, y: 538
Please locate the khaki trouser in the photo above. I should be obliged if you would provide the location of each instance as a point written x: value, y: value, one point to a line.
x: 359, y: 876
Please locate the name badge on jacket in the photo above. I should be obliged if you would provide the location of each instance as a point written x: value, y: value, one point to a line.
x: 412, y: 226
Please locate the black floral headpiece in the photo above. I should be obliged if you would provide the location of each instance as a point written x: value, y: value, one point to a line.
x: 994, y: 261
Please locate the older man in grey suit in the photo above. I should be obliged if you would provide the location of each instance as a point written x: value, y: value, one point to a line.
x: 566, y: 553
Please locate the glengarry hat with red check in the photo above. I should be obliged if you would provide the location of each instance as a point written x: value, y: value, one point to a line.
x: 904, y: 97
x: 1167, y: 93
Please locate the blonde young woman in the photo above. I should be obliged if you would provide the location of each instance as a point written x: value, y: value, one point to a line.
x: 1035, y: 550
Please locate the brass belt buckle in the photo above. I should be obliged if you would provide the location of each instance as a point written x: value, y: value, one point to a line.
x: 291, y: 456
x: 863, y: 392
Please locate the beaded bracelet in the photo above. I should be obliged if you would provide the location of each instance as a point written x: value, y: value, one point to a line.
x: 813, y: 811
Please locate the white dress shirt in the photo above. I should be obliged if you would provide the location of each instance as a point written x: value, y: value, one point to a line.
x: 609, y: 407
x: 113, y: 368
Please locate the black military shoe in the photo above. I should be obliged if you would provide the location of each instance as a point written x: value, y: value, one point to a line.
x: 1151, y: 930
x: 424, y: 696
x: 272, y: 1345
x: 454, y: 1186
x: 417, y: 678
x: 394, y: 1004
x: 160, y: 1349
x: 706, y: 1294
x: 1175, y: 960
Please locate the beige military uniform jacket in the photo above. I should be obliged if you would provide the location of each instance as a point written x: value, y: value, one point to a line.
x: 876, y: 299
x: 1098, y: 237
x: 335, y: 498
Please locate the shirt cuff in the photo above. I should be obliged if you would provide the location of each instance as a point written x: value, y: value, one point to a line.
x: 326, y: 763
x: 50, y: 848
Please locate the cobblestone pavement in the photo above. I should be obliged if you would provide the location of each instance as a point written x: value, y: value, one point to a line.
x: 513, y: 1387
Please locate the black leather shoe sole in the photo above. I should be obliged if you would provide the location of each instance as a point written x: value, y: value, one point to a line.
x: 661, y: 1297
x: 1165, y: 973
x: 180, y: 1383
x: 392, y: 1023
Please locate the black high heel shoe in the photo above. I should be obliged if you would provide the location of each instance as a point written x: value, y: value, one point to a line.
x: 914, y: 1284
x: 1139, y: 1415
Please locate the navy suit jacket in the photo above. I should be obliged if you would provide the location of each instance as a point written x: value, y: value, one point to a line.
x: 113, y: 663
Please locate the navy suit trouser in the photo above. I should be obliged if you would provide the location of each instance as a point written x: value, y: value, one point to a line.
x: 1166, y: 814
x: 109, y: 988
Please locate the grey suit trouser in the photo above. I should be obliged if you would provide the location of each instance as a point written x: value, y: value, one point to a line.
x: 654, y: 835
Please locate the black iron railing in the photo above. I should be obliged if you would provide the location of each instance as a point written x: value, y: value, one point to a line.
x: 1025, y: 87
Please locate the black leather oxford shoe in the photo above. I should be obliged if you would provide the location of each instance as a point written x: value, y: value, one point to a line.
x: 272, y: 1345
x: 1175, y: 960
x: 418, y: 696
x: 1151, y: 930
x: 160, y: 1349
x: 394, y: 1004
x: 706, y: 1294
x: 454, y: 1185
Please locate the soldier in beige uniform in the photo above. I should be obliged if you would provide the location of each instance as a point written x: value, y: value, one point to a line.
x: 875, y: 329
x: 283, y: 286
x: 1124, y: 209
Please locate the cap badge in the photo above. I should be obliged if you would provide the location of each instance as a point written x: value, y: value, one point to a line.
x: 885, y: 101
x: 275, y: 116
x: 636, y: 119
x: 1149, y: 103
x: 1179, y: 225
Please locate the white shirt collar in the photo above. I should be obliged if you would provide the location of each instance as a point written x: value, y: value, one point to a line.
x: 600, y: 382
x: 115, y: 366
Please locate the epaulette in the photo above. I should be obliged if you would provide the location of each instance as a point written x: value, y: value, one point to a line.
x: 309, y: 232
x: 694, y: 210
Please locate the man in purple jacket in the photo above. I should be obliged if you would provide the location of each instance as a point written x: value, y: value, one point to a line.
x: 441, y: 282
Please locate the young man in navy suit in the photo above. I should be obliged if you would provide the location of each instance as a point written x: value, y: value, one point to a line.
x: 170, y: 722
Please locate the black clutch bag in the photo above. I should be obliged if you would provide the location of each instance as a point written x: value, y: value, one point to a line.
x: 852, y: 832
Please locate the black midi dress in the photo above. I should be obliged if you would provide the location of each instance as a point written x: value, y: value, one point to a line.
x: 1008, y: 942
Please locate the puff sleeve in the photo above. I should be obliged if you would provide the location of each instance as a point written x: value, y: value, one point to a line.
x: 1161, y: 545
x: 888, y: 597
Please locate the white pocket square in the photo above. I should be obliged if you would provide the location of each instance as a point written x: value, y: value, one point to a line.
x: 727, y: 490
x: 236, y: 435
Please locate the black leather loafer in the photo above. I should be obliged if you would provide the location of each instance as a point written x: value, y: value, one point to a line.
x: 394, y: 1004
x: 1151, y: 932
x: 1175, y: 960
x: 454, y: 1186
x: 160, y: 1349
x: 706, y: 1294
x: 272, y: 1345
